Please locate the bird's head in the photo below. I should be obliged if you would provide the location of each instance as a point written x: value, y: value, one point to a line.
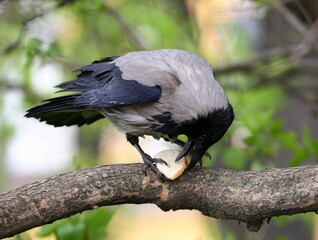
x: 204, y: 132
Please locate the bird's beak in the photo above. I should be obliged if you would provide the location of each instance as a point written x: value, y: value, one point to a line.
x: 200, y: 148
x: 187, y: 147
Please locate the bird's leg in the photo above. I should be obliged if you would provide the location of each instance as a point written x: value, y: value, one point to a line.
x: 181, y: 144
x: 149, y: 161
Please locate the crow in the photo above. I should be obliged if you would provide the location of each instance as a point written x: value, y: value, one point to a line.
x: 163, y: 93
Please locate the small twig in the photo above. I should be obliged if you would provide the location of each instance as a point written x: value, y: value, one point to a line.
x: 14, y: 45
x: 290, y: 17
x: 300, y: 27
x: 11, y: 86
x: 308, y: 42
x: 125, y: 28
x: 249, y: 65
x: 10, y: 47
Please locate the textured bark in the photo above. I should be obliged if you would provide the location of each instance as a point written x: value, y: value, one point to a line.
x: 247, y: 196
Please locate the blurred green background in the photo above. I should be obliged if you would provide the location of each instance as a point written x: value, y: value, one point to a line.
x: 264, y: 53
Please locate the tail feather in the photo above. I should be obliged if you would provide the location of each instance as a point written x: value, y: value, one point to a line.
x: 67, y: 110
x: 60, y: 111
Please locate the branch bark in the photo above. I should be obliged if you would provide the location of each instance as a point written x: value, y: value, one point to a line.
x: 247, y: 196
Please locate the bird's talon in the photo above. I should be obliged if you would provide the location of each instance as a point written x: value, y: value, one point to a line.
x: 151, y: 163
x: 208, y: 155
x: 200, y: 163
x: 159, y: 160
x: 145, y: 170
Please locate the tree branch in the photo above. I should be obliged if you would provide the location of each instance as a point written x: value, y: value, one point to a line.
x: 17, y: 42
x: 249, y: 65
x: 126, y: 29
x: 247, y: 196
x: 290, y: 17
x: 7, y: 85
x: 309, y: 34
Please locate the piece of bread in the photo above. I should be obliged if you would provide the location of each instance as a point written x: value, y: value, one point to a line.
x: 173, y: 169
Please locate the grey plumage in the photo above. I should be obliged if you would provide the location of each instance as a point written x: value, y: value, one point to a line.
x: 163, y: 93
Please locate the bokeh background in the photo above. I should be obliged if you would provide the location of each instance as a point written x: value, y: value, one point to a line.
x: 263, y: 52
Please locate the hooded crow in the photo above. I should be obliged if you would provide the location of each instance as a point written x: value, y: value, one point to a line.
x: 162, y: 93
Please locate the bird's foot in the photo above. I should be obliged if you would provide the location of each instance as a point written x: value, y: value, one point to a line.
x: 182, y: 144
x: 151, y: 163
x: 206, y: 154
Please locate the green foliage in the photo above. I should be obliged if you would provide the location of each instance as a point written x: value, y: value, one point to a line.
x: 93, y: 5
x: 234, y: 153
x: 88, y: 225
x: 22, y: 236
x: 303, y: 147
x: 281, y: 238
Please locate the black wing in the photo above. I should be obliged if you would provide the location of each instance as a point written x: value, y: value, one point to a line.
x: 99, y: 85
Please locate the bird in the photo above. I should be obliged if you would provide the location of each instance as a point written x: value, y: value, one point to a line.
x: 162, y: 93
